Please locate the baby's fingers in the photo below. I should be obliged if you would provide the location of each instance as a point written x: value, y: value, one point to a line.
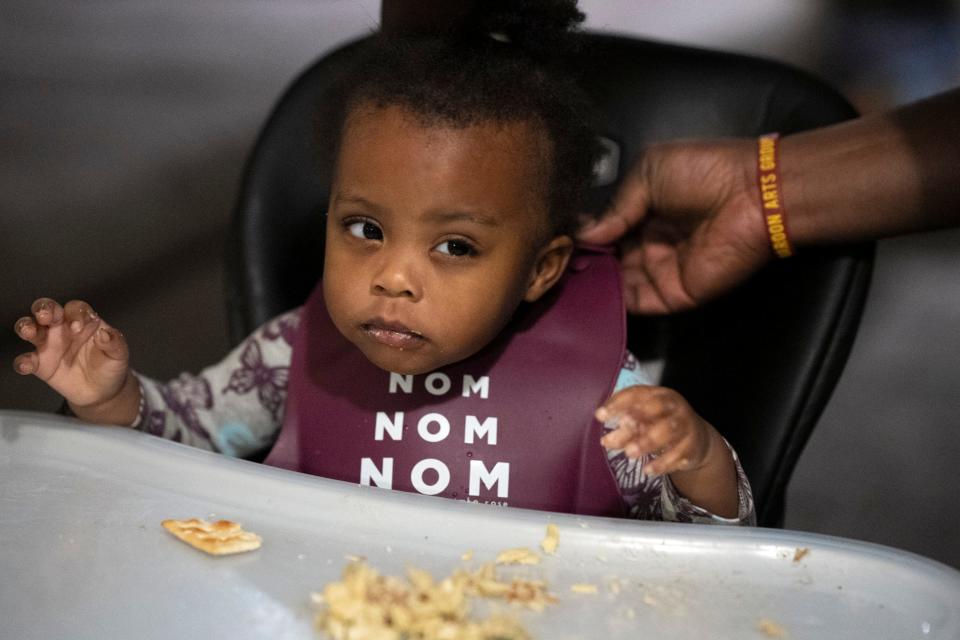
x: 639, y: 403
x: 47, y: 312
x: 78, y: 315
x: 645, y: 439
x: 26, y: 363
x: 676, y: 458
x: 618, y: 438
x: 27, y: 329
x: 111, y: 342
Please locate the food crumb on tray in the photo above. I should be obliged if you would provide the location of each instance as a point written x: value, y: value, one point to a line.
x: 520, y: 555
x: 771, y: 629
x: 551, y: 541
x: 584, y: 587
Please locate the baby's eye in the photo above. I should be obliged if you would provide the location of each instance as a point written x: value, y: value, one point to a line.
x: 365, y: 229
x: 456, y: 248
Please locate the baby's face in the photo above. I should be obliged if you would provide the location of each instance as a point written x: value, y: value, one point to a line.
x: 434, y: 236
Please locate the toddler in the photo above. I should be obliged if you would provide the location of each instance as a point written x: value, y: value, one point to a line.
x: 458, y: 343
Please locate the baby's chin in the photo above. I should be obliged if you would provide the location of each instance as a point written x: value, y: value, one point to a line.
x: 406, y: 363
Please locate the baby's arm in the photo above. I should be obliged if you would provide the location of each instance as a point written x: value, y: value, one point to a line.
x: 235, y: 406
x: 82, y: 358
x: 657, y: 423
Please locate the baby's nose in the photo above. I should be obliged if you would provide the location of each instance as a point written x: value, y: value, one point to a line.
x: 392, y: 290
x: 397, y: 279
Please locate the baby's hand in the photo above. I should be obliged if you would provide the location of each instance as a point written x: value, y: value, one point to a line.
x: 78, y: 354
x: 658, y: 421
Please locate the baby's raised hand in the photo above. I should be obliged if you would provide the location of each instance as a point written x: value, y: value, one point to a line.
x: 78, y: 354
x: 658, y: 421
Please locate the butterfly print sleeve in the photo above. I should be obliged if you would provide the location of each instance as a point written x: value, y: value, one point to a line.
x: 655, y: 497
x: 234, y: 407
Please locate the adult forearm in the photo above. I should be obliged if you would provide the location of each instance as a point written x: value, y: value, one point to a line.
x: 876, y: 176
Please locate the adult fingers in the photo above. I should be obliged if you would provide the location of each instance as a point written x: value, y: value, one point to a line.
x: 639, y: 294
x: 662, y: 268
x: 652, y: 279
x: 627, y: 209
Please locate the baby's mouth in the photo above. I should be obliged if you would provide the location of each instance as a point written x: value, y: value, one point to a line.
x: 392, y: 334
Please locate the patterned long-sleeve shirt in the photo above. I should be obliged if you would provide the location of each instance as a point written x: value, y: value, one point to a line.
x: 236, y: 407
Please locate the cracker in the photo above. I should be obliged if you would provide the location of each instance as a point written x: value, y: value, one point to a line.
x: 219, y: 538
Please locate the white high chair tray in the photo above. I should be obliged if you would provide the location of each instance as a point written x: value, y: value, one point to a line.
x: 83, y: 555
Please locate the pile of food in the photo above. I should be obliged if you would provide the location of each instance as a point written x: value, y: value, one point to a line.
x: 367, y: 605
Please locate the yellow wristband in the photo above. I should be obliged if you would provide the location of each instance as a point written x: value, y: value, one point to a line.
x: 771, y: 194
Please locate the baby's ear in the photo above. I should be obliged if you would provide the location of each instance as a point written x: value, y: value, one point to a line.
x: 550, y: 264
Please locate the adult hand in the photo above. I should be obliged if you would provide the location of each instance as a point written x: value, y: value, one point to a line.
x: 689, y: 222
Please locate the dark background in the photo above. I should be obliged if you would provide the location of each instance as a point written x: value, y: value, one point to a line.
x: 124, y: 127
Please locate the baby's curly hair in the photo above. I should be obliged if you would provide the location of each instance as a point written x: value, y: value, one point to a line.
x: 504, y: 66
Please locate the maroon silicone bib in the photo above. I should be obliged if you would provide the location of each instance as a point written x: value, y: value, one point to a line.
x: 511, y: 425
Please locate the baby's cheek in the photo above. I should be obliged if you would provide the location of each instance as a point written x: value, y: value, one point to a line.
x: 468, y: 328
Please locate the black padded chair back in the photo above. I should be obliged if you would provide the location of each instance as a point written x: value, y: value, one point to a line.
x: 759, y: 364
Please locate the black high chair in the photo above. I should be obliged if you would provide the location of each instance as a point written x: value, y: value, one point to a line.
x: 759, y: 364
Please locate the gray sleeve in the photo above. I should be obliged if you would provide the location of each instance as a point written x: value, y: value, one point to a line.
x: 235, y: 406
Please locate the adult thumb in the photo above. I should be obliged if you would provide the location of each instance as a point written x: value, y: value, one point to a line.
x: 628, y: 208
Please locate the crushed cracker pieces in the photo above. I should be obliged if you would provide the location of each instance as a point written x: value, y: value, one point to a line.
x: 800, y: 553
x: 531, y: 594
x: 467, y: 556
x: 520, y: 555
x: 584, y: 587
x: 365, y: 604
x: 219, y: 538
x: 771, y: 629
x: 552, y: 540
